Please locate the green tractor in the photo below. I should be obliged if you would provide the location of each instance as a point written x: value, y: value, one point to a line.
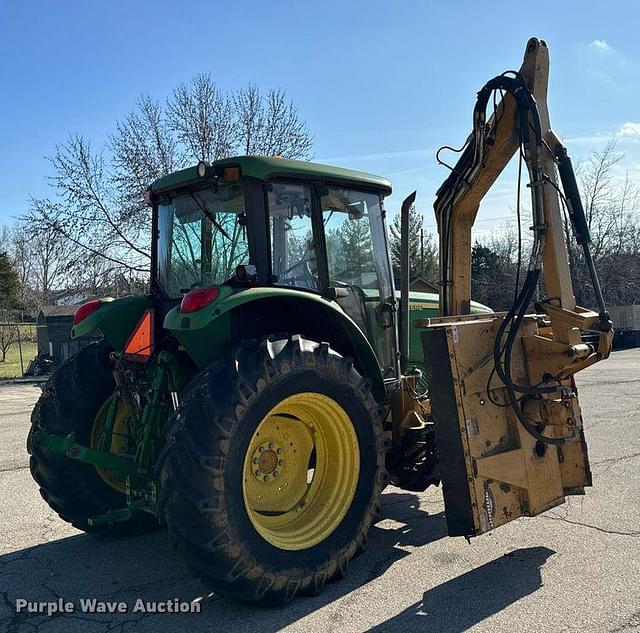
x: 267, y: 390
x: 245, y: 401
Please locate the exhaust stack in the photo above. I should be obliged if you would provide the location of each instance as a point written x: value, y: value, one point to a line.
x: 404, y: 280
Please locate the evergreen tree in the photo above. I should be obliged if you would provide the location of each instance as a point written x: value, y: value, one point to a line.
x: 423, y: 251
x: 493, y: 275
x: 9, y: 284
x: 355, y: 239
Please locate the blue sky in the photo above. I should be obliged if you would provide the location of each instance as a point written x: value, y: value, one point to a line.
x: 381, y: 84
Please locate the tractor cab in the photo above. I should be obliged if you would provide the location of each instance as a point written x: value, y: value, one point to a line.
x: 271, y: 223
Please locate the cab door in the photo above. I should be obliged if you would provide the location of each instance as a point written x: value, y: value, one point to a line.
x: 294, y: 242
x: 359, y: 267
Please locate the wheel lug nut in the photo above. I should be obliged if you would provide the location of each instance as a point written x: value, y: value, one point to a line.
x: 279, y: 451
x: 261, y: 449
x: 275, y: 473
x: 281, y: 462
x: 255, y: 460
x: 270, y: 444
x: 266, y: 478
x: 258, y: 473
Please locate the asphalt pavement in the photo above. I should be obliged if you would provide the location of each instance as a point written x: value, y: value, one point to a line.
x: 575, y: 568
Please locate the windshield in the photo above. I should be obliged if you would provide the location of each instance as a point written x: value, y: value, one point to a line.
x: 201, y: 238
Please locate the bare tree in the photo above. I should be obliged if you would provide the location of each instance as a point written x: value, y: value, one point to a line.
x: 90, y: 209
x: 98, y: 210
x: 22, y: 255
x: 202, y: 118
x: 51, y: 261
x: 268, y: 124
x: 5, y: 236
x: 143, y: 149
x: 612, y: 209
x: 8, y: 336
x: 599, y: 191
x: 249, y: 108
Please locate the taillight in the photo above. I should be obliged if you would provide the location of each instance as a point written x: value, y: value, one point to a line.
x: 198, y: 299
x: 85, y: 310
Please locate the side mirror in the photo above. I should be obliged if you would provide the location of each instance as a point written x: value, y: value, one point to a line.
x: 246, y: 273
x: 384, y: 314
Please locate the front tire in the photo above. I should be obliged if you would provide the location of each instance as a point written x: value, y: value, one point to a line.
x: 273, y: 470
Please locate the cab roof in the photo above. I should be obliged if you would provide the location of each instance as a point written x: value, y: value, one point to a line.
x: 265, y: 167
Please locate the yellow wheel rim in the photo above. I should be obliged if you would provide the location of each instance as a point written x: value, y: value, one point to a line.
x: 118, y: 440
x: 301, y: 471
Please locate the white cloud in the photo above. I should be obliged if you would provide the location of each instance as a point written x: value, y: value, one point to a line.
x: 597, y: 138
x: 600, y: 45
x: 629, y: 129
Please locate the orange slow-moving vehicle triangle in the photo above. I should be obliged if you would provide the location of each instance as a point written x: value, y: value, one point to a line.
x: 140, y: 343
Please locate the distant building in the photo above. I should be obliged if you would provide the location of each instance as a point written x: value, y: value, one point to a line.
x: 53, y: 329
x: 626, y: 323
x: 420, y: 284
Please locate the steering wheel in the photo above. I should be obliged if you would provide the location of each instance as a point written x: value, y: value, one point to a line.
x: 306, y: 257
x: 339, y: 278
x: 307, y: 279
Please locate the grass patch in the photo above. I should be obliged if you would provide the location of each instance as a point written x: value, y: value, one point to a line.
x: 11, y: 367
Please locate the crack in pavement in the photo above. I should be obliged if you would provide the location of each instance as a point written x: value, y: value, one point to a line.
x: 592, y: 425
x: 587, y: 383
x: 590, y: 526
x: 616, y: 459
x: 13, y: 622
x: 13, y: 470
x: 15, y: 619
x: 146, y: 585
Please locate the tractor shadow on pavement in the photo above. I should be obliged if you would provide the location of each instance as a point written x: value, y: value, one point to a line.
x: 456, y: 605
x: 83, y: 566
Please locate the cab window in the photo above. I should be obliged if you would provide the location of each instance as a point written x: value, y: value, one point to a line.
x: 356, y: 245
x: 293, y: 251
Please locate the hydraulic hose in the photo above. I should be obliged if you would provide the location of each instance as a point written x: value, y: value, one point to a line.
x: 531, y: 141
x: 527, y: 114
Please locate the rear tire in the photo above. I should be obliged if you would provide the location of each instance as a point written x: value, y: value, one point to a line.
x: 205, y: 484
x: 69, y: 403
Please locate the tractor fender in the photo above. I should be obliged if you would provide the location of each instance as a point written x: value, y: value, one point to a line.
x: 256, y: 312
x: 116, y: 318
